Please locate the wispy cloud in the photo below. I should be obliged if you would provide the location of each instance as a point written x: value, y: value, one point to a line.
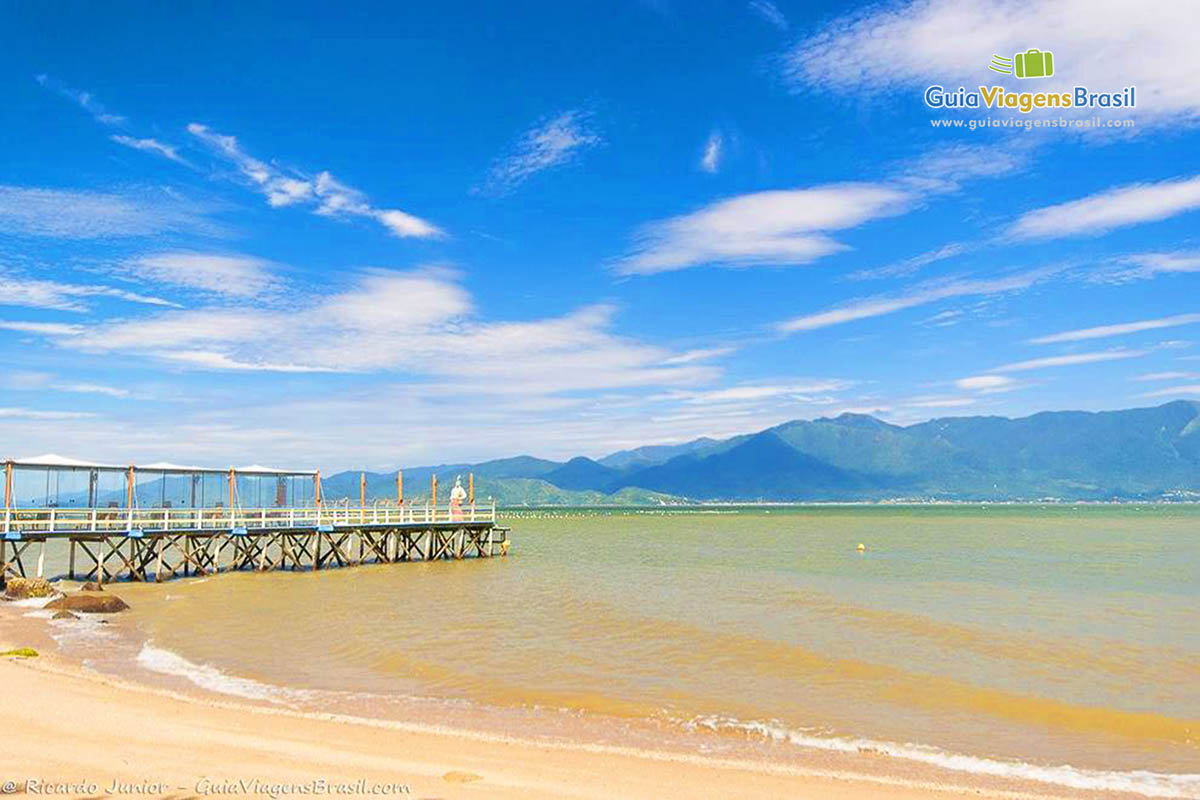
x: 987, y: 384
x: 45, y: 382
x: 71, y: 214
x: 420, y: 324
x: 1142, y: 266
x: 232, y: 275
x: 803, y: 391
x: 908, y: 266
x: 1118, y: 329
x: 16, y: 290
x: 941, y: 402
x: 769, y: 12
x: 1073, y: 359
x: 766, y: 228
x: 30, y: 413
x: 1150, y: 45
x: 1166, y: 376
x: 83, y: 99
x: 705, y: 354
x: 150, y: 146
x: 1174, y: 391
x: 41, y: 328
x: 322, y: 193
x: 549, y: 143
x: 923, y: 294
x: 710, y: 160
x: 1115, y: 208
x: 945, y: 168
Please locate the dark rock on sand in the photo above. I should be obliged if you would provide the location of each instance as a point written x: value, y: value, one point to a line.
x: 64, y: 615
x: 91, y: 586
x: 89, y: 603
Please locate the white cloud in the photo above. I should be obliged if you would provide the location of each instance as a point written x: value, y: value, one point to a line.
x: 986, y: 383
x: 232, y: 275
x: 89, y: 388
x: 1120, y: 329
x: 30, y: 413
x: 704, y: 354
x: 769, y: 12
x: 908, y: 266
x: 324, y: 194
x: 941, y: 402
x: 1106, y: 44
x: 549, y: 143
x: 764, y: 228
x: 83, y: 99
x: 929, y: 292
x: 16, y: 290
x: 150, y: 146
x: 710, y: 161
x: 1115, y: 208
x: 421, y: 324
x: 1142, y: 266
x: 1166, y: 376
x: 946, y: 167
x: 804, y: 391
x: 1071, y: 360
x: 41, y: 328
x: 69, y: 214
x: 1174, y: 391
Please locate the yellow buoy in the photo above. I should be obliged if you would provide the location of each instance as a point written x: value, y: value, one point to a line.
x: 861, y: 547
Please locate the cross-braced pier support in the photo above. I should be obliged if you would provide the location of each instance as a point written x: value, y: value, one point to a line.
x: 163, y: 555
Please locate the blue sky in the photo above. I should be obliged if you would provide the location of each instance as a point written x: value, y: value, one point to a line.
x: 379, y: 234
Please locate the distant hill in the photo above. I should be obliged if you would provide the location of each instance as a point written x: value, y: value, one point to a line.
x: 1141, y: 453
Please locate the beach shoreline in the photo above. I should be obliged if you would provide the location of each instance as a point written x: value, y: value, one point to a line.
x: 80, y: 732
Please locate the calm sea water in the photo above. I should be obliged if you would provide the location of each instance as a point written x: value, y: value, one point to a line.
x: 1045, y: 636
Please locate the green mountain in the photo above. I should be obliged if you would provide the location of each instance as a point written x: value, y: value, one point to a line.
x: 1141, y: 453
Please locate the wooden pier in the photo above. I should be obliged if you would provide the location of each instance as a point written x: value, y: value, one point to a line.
x: 159, y: 543
x: 164, y: 544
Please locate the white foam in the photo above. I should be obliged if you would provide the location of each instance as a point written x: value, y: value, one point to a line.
x: 165, y: 662
x: 1149, y: 784
x: 33, y: 602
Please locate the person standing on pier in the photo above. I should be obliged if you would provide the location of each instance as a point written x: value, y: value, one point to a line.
x: 457, y: 495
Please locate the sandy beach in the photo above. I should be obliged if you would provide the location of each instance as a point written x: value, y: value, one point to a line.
x: 74, y: 732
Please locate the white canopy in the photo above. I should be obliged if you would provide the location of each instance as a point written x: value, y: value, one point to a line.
x: 55, y: 460
x: 258, y: 469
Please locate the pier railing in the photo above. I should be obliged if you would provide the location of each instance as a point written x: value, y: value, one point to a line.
x: 120, y: 520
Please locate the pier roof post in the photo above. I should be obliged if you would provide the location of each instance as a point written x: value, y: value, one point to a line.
x: 399, y: 487
x: 232, y: 495
x: 362, y: 489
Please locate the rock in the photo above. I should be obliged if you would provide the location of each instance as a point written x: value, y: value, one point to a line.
x: 20, y: 652
x: 89, y: 603
x: 23, y: 588
x: 91, y: 586
x: 64, y: 615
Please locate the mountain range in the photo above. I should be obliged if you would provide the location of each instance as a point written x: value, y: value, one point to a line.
x: 1132, y: 454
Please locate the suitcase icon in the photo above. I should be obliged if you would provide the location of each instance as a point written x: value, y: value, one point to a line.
x: 1034, y: 63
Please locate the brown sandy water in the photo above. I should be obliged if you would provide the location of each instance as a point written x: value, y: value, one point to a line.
x: 1060, y: 644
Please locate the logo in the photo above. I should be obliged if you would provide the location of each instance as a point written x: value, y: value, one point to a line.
x: 1033, y: 63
